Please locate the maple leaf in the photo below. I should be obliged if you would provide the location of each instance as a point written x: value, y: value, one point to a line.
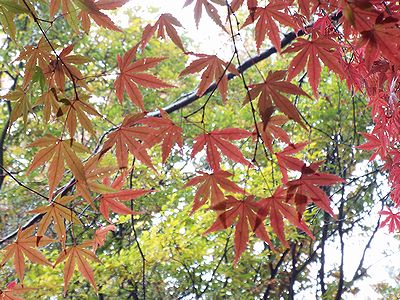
x: 374, y: 143
x: 77, y: 255
x: 93, y: 174
x: 245, y: 212
x: 51, y: 105
x: 111, y: 201
x: 58, y: 151
x: 61, y: 66
x: 311, y: 52
x: 218, y: 139
x: 210, y: 9
x: 271, y: 91
x: 210, y: 187
x: 272, y: 129
x: 131, y: 74
x: 305, y: 190
x: 251, y: 5
x: 165, y: 24
x: 11, y: 291
x: 215, y: 70
x: 266, y: 24
x: 100, y: 235
x: 91, y: 8
x: 165, y: 131
x: 287, y: 162
x: 381, y: 39
x: 35, y: 55
x: 277, y: 208
x: 24, y: 247
x: 57, y: 213
x: 75, y: 110
x: 128, y: 139
x: 22, y: 107
x: 392, y: 219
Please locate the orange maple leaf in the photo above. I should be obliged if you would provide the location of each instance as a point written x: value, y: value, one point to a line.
x: 57, y: 212
x: 131, y: 74
x: 100, y: 235
x: 215, y: 70
x: 77, y: 255
x: 58, y: 151
x: 61, y: 66
x: 24, y: 247
x: 91, y: 8
x: 210, y: 187
x: 35, y: 55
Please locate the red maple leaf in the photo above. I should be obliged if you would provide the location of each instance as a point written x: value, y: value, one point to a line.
x: 277, y: 208
x: 215, y: 71
x: 374, y: 143
x: 165, y: 131
x: 392, y: 219
x: 131, y: 75
x: 165, y: 24
x: 287, y: 162
x: 272, y: 129
x: 311, y: 52
x: 210, y: 187
x: 129, y: 139
x: 244, y: 212
x: 305, y: 189
x: 266, y: 24
x: 210, y: 9
x: 271, y: 91
x: 218, y: 139
x: 112, y: 201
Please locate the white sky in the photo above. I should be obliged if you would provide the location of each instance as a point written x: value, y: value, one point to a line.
x: 384, y: 250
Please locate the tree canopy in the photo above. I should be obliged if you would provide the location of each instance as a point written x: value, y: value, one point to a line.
x: 155, y: 170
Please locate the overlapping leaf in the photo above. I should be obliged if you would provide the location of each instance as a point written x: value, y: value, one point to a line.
x: 276, y: 208
x: 63, y: 65
x: 244, y: 213
x: 112, y: 201
x: 215, y: 70
x: 165, y: 131
x: 272, y: 91
x: 266, y: 24
x: 210, y: 187
x: 219, y: 139
x: 305, y: 189
x: 57, y: 213
x: 128, y: 139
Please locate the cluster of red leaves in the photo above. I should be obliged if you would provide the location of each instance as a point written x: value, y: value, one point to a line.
x: 362, y: 54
